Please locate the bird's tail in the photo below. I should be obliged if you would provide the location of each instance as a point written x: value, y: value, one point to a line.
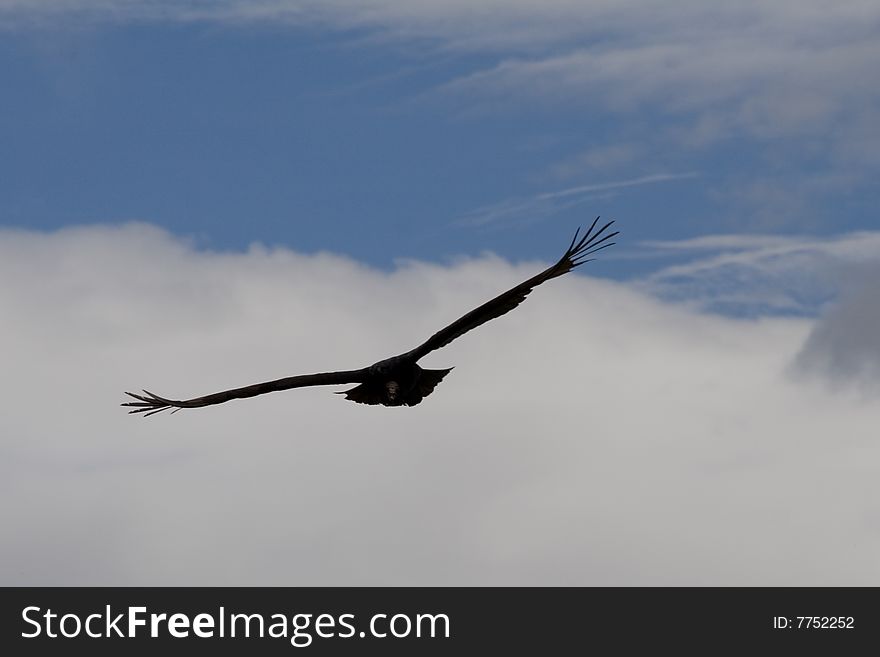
x: 428, y: 380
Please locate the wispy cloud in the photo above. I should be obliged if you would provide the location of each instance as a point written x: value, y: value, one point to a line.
x: 605, y: 157
x: 763, y: 68
x: 760, y: 273
x: 616, y: 184
x: 542, y: 205
x: 788, y: 76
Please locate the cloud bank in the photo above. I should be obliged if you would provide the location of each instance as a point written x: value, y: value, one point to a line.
x: 597, y: 435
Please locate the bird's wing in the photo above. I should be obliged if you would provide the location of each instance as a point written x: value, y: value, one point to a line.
x: 148, y: 403
x: 577, y: 254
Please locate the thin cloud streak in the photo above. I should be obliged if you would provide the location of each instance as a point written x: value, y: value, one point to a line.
x: 546, y: 204
x: 617, y: 184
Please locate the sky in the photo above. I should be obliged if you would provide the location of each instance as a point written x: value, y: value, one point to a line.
x: 196, y: 196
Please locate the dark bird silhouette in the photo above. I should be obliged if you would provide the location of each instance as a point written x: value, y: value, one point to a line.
x: 398, y: 381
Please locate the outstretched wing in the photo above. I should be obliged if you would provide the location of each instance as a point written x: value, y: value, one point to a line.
x: 148, y: 403
x: 577, y: 254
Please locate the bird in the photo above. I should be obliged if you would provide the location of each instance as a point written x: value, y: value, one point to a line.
x: 399, y: 380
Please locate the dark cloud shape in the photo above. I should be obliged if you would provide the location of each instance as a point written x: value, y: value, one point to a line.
x: 844, y: 344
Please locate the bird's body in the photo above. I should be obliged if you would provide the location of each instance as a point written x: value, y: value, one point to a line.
x: 396, y: 381
x: 399, y: 380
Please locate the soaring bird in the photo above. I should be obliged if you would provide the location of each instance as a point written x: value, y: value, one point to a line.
x: 398, y: 381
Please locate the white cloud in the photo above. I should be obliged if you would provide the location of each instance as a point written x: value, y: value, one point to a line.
x: 593, y: 436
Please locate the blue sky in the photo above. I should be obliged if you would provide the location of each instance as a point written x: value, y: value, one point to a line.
x: 196, y: 196
x: 400, y: 135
